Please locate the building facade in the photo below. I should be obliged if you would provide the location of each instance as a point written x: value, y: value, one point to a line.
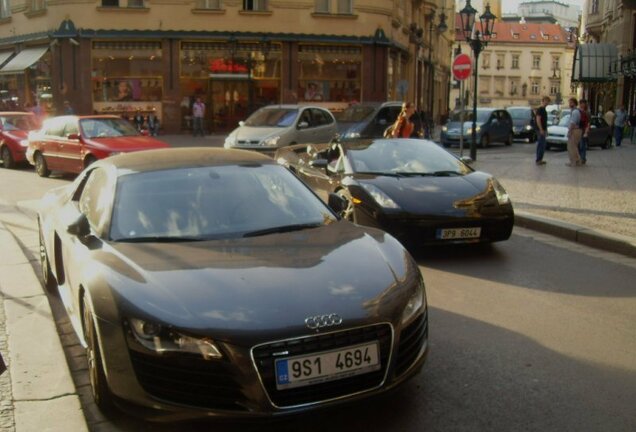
x: 120, y: 56
x: 610, y: 24
x: 522, y: 63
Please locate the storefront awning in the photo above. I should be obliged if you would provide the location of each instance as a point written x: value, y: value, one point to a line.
x: 24, y: 59
x: 4, y: 56
x: 592, y: 63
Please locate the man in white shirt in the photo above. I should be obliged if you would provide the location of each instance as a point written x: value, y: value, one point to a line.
x: 574, y: 134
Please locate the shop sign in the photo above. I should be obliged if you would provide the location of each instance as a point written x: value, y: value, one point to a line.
x: 223, y: 66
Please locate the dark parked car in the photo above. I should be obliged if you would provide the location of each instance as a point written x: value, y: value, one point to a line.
x: 600, y: 134
x: 413, y: 189
x: 523, y: 123
x: 492, y: 125
x: 14, y: 128
x: 71, y: 143
x: 210, y: 282
x: 367, y: 120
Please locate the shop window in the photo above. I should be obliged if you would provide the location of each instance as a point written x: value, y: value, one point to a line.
x: 209, y: 4
x: 5, y: 8
x: 110, y: 3
x: 255, y: 5
x: 329, y: 73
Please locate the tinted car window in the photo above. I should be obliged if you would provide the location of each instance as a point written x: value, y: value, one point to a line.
x: 272, y: 117
x: 354, y: 113
x: 71, y: 128
x: 54, y: 128
x: 18, y: 122
x: 520, y: 113
x: 94, y: 200
x: 387, y: 115
x: 212, y: 202
x: 482, y: 116
x: 321, y: 117
x: 107, y: 127
x: 404, y: 157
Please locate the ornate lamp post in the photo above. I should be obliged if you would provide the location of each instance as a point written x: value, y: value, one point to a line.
x: 441, y: 28
x: 477, y: 38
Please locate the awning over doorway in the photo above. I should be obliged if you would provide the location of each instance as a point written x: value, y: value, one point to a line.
x: 4, y: 56
x: 592, y: 63
x: 24, y: 59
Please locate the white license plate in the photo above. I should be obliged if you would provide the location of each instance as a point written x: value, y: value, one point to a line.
x: 327, y: 366
x: 458, y: 233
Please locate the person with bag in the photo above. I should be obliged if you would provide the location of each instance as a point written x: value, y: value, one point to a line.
x: 574, y: 134
x: 403, y: 126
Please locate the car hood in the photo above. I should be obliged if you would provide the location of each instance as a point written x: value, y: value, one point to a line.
x: 557, y: 130
x: 268, y: 283
x: 249, y: 133
x: 433, y: 196
x: 455, y: 126
x: 126, y: 143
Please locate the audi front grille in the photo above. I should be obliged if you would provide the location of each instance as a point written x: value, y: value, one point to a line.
x: 265, y: 355
x: 412, y: 339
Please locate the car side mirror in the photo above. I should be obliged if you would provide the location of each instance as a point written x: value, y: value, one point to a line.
x: 319, y: 163
x: 80, y: 228
x: 337, y: 203
x: 73, y: 136
x: 303, y: 125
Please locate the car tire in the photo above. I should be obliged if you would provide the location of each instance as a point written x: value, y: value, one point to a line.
x: 349, y: 213
x: 41, y: 168
x: 446, y: 145
x: 7, y: 159
x: 484, y: 141
x: 97, y: 377
x: 509, y: 139
x: 50, y: 284
x: 607, y: 144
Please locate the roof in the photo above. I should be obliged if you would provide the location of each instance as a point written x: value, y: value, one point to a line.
x: 171, y: 158
x: 517, y: 33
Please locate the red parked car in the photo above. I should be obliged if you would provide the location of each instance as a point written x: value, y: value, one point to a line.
x: 71, y: 143
x: 14, y: 128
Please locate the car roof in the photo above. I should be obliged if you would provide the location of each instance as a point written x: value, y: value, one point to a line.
x: 291, y: 106
x: 15, y: 113
x: 519, y: 107
x: 161, y: 159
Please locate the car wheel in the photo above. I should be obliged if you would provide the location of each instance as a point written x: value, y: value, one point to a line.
x: 349, y: 212
x: 484, y: 141
x: 509, y: 139
x: 7, y: 159
x: 607, y: 144
x: 90, y: 159
x: 40, y: 165
x: 97, y: 377
x: 446, y: 145
x: 50, y: 284
x: 547, y: 146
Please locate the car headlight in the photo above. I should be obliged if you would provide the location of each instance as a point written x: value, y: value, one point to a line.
x: 415, y: 304
x: 24, y: 143
x: 469, y: 131
x: 380, y: 197
x: 230, y: 141
x: 271, y: 141
x: 528, y: 127
x: 500, y: 192
x: 162, y: 340
x: 350, y: 135
x: 444, y: 128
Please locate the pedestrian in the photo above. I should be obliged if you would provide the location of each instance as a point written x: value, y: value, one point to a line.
x: 619, y: 124
x: 68, y: 109
x: 198, y: 113
x: 418, y: 124
x: 403, y: 126
x: 153, y: 123
x: 574, y: 133
x: 138, y: 120
x: 541, y: 121
x: 585, y: 128
x: 632, y: 124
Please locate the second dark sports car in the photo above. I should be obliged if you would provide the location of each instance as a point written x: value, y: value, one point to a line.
x: 413, y: 189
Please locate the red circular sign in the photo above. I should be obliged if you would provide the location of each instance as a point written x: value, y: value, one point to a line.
x: 462, y: 67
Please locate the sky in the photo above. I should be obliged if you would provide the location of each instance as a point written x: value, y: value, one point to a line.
x: 511, y: 6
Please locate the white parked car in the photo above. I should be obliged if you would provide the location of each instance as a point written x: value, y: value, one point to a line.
x: 276, y: 126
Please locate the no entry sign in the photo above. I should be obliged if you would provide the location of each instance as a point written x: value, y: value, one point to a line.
x: 462, y: 67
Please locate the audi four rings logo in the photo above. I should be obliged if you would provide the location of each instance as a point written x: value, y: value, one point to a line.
x: 320, y: 321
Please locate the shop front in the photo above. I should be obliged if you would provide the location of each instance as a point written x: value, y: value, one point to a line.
x: 25, y: 80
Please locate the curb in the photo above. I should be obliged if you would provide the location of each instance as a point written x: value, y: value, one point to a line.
x: 586, y: 236
x: 43, y: 392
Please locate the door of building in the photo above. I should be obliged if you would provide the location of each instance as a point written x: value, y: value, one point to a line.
x: 230, y: 101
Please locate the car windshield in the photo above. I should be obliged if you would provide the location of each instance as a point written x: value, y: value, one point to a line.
x: 354, y: 114
x: 565, y: 120
x: 18, y: 122
x: 405, y: 157
x: 272, y: 117
x: 106, y: 128
x: 520, y: 113
x: 482, y: 116
x: 201, y: 203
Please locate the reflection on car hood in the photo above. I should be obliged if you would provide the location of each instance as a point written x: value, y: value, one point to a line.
x: 126, y: 143
x: 557, y: 130
x: 457, y: 125
x: 430, y: 195
x: 262, y: 283
x: 249, y: 133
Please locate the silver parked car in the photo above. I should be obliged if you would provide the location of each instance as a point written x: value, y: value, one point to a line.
x: 276, y: 126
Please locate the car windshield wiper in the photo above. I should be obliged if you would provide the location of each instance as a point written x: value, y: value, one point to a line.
x: 430, y: 174
x: 282, y: 229
x: 382, y: 173
x: 159, y: 239
x: 447, y: 173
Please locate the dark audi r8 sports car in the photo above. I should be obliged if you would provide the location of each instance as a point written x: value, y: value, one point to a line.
x: 211, y: 282
x: 413, y: 189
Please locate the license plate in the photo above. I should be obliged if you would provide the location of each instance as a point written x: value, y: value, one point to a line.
x: 327, y: 366
x: 458, y: 233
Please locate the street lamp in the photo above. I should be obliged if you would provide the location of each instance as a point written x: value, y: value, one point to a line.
x: 477, y: 39
x: 441, y: 28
